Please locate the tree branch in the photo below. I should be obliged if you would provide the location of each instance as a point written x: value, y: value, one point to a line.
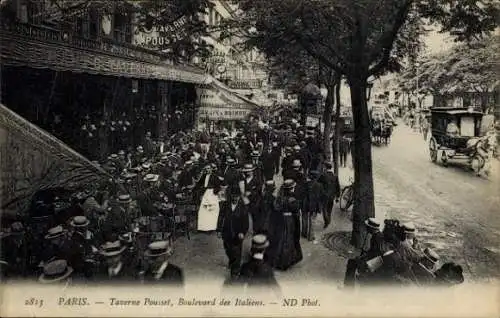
x: 388, y: 38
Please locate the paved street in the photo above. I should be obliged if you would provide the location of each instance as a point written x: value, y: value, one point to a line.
x: 453, y: 210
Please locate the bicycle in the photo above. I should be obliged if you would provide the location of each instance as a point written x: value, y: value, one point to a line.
x: 347, y: 197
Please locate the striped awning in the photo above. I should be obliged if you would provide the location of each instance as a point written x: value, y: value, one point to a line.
x: 33, y: 159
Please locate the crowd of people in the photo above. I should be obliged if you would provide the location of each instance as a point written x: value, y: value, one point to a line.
x: 221, y: 183
x: 268, y: 179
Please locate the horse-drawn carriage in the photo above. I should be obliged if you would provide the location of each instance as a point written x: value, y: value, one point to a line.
x: 456, y: 135
x: 381, y: 128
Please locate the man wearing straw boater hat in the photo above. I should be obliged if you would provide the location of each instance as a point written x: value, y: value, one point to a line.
x: 376, y: 248
x: 56, y: 246
x: 149, y: 195
x: 116, y: 269
x: 408, y: 247
x: 82, y: 246
x: 160, y: 270
x: 424, y: 271
x: 257, y: 272
x: 57, y: 272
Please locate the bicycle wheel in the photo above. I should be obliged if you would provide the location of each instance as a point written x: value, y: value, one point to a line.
x: 346, y: 198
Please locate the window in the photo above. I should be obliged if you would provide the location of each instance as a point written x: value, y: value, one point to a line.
x: 35, y: 12
x: 122, y: 28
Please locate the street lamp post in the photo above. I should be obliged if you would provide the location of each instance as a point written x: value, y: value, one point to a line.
x: 369, y: 87
x: 417, y: 64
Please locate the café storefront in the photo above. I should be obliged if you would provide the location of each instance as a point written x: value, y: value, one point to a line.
x: 220, y: 108
x: 48, y: 73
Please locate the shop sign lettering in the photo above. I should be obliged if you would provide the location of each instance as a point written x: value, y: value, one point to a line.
x: 223, y: 114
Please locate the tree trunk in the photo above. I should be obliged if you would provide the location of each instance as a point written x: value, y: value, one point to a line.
x: 336, y: 145
x: 364, y: 206
x: 327, y: 119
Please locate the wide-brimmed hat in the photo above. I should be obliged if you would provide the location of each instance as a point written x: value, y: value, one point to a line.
x: 158, y: 248
x: 110, y: 249
x: 55, y: 271
x: 164, y: 157
x: 296, y: 163
x: 372, y: 223
x: 55, y: 232
x: 151, y: 177
x: 128, y: 175
x: 230, y: 161
x: 79, y: 221
x: 431, y: 255
x: 260, y: 242
x: 146, y: 166
x: 189, y: 162
x: 124, y: 198
x: 113, y: 156
x: 140, y: 149
x: 125, y: 237
x: 296, y: 147
x: 248, y: 167
x: 288, y: 184
x: 409, y: 227
x: 270, y: 184
x: 121, y: 152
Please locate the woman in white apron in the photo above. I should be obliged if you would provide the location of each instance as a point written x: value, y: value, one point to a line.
x: 208, y: 213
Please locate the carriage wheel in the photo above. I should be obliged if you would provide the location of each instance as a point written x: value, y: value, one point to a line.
x: 433, y: 149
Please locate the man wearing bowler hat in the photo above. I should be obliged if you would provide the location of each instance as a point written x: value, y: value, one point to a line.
x: 160, y: 270
x: 233, y: 225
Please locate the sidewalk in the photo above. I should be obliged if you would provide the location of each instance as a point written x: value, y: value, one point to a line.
x: 204, y: 261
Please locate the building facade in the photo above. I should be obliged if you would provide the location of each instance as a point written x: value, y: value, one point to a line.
x: 88, y: 71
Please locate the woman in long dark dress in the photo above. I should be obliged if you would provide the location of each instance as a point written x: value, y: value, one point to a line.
x: 285, y: 245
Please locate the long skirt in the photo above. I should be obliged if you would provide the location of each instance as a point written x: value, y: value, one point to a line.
x: 208, y: 214
x: 286, y: 243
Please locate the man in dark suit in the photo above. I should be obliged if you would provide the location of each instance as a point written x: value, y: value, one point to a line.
x: 116, y: 270
x: 257, y: 273
x: 160, y: 270
x: 276, y: 155
x: 233, y: 225
x: 331, y: 186
x: 231, y: 174
x: 311, y: 205
x: 268, y: 163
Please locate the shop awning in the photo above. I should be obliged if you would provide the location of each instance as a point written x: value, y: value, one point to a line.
x: 218, y: 102
x: 33, y: 160
x: 40, y: 47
